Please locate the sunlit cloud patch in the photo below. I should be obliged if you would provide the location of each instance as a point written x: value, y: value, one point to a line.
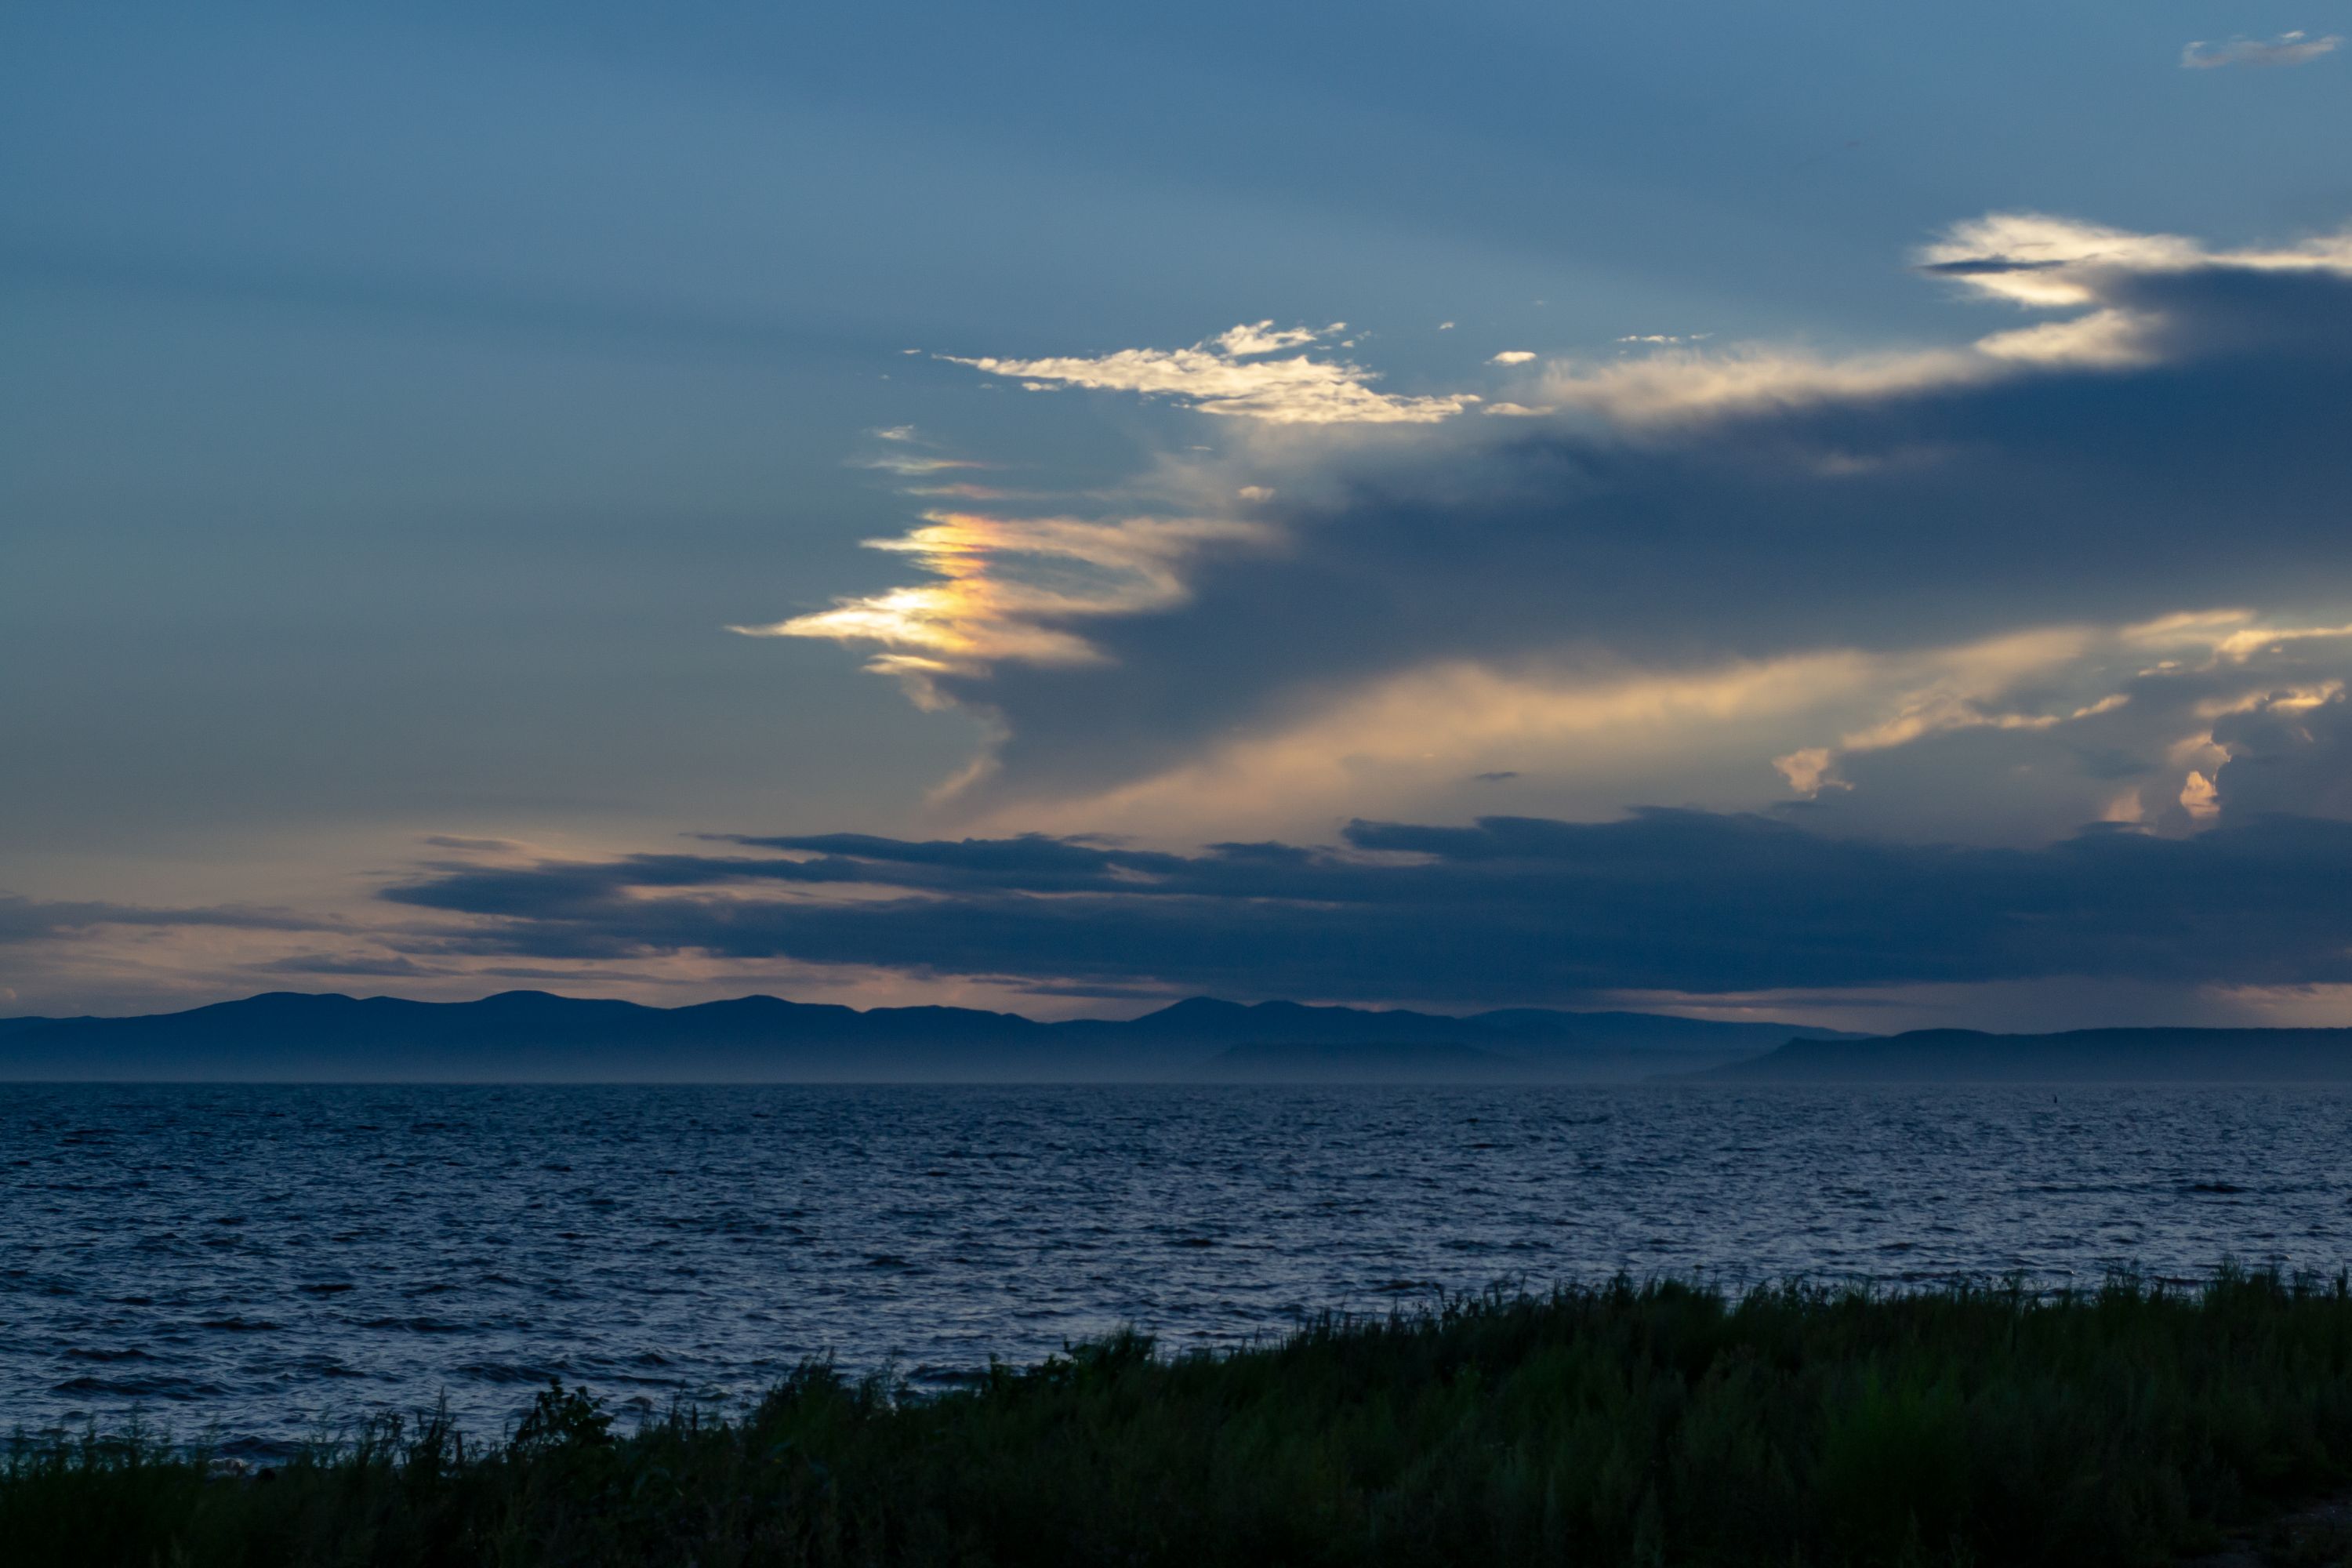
x: 1011, y: 589
x: 1235, y: 375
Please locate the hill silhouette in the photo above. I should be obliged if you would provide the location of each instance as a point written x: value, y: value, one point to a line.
x: 2077, y: 1056
x: 532, y: 1036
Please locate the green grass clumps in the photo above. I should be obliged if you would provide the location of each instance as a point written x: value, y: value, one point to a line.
x: 1659, y: 1423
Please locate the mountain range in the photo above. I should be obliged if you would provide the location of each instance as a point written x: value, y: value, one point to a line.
x: 2076, y: 1056
x: 525, y: 1036
x: 531, y: 1037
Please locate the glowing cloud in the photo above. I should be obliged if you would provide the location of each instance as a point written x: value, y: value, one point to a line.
x: 1265, y: 338
x: 2171, y: 703
x: 2021, y: 738
x: 2028, y: 259
x: 1230, y: 375
x: 2032, y: 258
x: 1008, y: 587
x: 1513, y: 356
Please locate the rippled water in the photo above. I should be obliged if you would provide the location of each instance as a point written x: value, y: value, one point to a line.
x: 272, y: 1262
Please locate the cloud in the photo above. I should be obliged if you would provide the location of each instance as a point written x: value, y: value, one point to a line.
x: 1229, y: 376
x: 2164, y: 440
x: 915, y: 466
x: 2036, y: 259
x: 1508, y: 909
x: 2287, y: 49
x: 2020, y: 738
x: 1590, y: 735
x: 2289, y: 751
x: 2028, y: 736
x: 1265, y: 338
x: 1513, y: 356
x: 391, y: 968
x: 1012, y: 589
x: 26, y: 920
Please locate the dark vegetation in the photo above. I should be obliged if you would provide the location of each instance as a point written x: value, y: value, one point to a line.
x: 1626, y: 1425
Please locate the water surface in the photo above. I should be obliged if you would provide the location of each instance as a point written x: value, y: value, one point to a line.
x: 270, y: 1262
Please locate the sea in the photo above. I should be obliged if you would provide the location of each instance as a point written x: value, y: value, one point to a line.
x: 258, y: 1267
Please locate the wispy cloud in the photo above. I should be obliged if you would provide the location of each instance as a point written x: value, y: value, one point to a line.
x: 2287, y: 49
x: 911, y: 465
x: 1012, y: 589
x: 33, y: 919
x: 1265, y: 338
x: 1513, y: 356
x: 1231, y: 375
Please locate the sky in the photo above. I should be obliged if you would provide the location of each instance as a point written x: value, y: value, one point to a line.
x: 1815, y: 512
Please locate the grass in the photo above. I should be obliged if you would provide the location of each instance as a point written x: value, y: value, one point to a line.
x: 1658, y: 1424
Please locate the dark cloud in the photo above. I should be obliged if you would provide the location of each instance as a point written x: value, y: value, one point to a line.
x: 1986, y: 266
x: 1509, y: 910
x: 1041, y: 860
x: 2286, y: 754
x: 2205, y: 466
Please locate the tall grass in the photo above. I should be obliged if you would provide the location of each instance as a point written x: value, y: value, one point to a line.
x: 1658, y: 1424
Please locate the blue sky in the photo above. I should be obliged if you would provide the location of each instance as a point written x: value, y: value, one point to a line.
x: 400, y: 409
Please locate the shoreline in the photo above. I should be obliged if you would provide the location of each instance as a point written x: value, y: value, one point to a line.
x: 1664, y: 1421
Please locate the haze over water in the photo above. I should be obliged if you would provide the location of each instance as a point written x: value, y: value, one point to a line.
x: 269, y: 1263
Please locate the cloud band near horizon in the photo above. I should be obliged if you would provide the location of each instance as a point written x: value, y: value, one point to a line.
x: 1504, y: 910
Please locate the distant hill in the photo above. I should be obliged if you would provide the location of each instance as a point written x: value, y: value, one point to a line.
x: 2079, y: 1056
x: 531, y: 1037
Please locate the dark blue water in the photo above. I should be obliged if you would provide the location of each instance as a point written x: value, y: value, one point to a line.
x: 270, y: 1263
